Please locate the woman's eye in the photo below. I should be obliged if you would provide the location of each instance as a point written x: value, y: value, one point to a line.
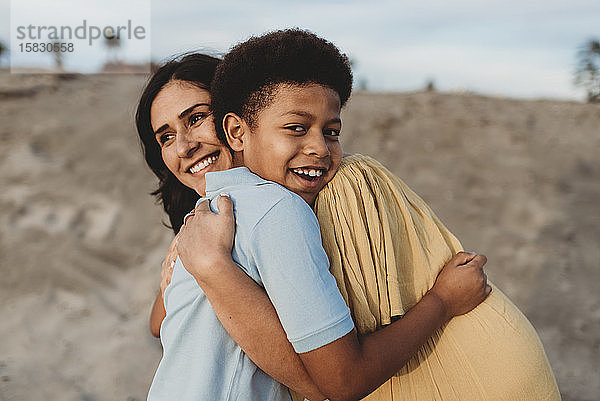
x: 332, y: 132
x: 164, y: 138
x: 197, y: 117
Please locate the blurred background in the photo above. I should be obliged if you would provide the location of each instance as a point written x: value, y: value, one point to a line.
x: 488, y: 110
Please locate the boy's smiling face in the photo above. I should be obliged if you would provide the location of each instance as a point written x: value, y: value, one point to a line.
x: 294, y: 140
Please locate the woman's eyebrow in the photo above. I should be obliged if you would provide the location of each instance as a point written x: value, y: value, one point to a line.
x: 181, y: 115
x: 161, y: 129
x: 187, y: 111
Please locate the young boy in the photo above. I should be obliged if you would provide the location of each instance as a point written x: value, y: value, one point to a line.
x: 285, y: 127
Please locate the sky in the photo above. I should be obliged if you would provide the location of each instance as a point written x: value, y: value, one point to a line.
x: 522, y: 49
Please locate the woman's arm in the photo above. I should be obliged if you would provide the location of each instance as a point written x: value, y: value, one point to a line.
x: 344, y: 369
x: 158, y: 308
x: 157, y: 315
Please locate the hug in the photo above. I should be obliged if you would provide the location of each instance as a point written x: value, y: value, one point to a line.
x: 298, y: 271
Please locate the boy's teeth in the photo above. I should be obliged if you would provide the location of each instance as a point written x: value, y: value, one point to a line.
x: 203, y: 164
x: 309, y: 172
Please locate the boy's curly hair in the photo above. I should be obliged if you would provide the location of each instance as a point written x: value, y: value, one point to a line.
x: 250, y: 73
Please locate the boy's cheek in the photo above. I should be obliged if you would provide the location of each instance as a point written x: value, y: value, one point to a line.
x: 336, y: 158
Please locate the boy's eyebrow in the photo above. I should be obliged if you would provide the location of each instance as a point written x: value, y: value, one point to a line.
x: 181, y: 115
x: 302, y: 113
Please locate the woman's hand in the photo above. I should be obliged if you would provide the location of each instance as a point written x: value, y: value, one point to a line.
x: 205, y: 240
x: 462, y: 284
x: 158, y: 309
x: 167, y: 266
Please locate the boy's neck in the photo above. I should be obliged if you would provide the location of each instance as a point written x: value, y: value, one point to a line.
x: 238, y: 161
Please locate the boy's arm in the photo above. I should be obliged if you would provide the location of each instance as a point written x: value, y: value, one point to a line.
x: 348, y: 368
x: 247, y: 314
x: 352, y: 367
x: 294, y: 270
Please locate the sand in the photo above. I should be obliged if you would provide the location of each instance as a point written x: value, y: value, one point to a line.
x: 81, y: 241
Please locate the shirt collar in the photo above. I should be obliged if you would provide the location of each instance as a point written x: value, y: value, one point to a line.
x: 218, y: 181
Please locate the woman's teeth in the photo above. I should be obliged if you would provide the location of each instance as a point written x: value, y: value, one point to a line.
x: 309, y: 172
x: 203, y: 164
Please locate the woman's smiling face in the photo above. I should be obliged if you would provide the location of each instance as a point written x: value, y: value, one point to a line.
x: 184, y: 129
x: 294, y: 140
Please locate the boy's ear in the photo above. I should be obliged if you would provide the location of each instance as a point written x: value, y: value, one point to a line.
x: 235, y: 129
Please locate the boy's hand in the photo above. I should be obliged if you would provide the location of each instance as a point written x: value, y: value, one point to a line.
x: 462, y: 284
x: 205, y: 240
x: 167, y: 266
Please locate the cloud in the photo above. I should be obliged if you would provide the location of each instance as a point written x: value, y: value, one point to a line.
x: 507, y: 46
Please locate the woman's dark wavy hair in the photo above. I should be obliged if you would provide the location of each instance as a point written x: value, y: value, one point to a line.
x: 196, y: 69
x: 249, y: 74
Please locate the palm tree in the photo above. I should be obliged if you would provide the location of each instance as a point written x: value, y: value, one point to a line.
x: 587, y: 74
x: 59, y: 56
x: 3, y: 51
x: 112, y: 44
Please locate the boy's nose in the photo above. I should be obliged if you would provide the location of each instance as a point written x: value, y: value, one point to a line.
x: 316, y: 145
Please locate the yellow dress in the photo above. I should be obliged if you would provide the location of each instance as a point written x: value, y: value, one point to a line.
x: 386, y: 247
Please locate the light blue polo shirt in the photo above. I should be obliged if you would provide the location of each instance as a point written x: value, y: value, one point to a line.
x: 277, y: 243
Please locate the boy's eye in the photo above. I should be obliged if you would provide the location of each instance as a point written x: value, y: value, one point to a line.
x: 332, y: 132
x: 296, y: 128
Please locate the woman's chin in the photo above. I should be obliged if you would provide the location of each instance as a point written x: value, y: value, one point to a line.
x: 197, y: 184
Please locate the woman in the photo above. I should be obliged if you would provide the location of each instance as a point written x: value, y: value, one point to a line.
x: 428, y: 377
x: 178, y: 85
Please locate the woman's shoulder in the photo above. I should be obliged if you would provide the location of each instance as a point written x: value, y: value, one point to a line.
x: 360, y: 163
x: 349, y: 158
x: 364, y: 176
x: 356, y: 174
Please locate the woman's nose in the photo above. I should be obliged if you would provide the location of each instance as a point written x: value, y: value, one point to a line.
x: 185, y: 144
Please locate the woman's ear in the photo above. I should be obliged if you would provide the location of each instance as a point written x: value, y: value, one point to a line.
x: 235, y: 128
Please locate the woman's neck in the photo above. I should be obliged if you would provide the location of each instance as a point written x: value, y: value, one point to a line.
x: 238, y: 159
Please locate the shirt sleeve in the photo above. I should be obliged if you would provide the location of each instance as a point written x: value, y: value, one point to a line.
x: 286, y: 247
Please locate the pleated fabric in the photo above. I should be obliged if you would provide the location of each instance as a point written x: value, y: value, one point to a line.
x: 386, y: 247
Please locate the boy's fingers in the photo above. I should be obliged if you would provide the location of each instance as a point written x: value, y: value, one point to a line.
x: 482, y: 259
x: 463, y: 257
x: 478, y: 261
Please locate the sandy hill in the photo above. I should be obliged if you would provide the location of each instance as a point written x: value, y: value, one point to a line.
x: 81, y: 240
